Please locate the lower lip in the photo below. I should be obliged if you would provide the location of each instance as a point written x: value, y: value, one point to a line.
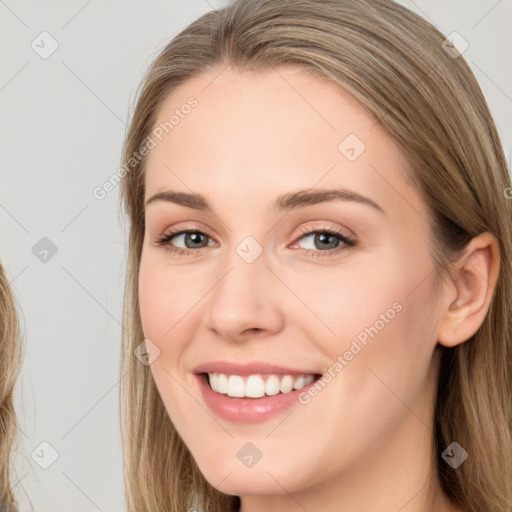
x: 247, y: 410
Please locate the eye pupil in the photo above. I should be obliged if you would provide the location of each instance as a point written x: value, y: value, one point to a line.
x: 194, y: 236
x: 324, y: 238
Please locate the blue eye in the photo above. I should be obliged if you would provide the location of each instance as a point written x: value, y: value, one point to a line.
x: 192, y: 239
x: 324, y: 239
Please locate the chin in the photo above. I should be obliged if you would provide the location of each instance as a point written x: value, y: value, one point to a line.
x: 230, y: 476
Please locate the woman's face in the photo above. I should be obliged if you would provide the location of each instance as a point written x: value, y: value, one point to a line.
x: 256, y: 279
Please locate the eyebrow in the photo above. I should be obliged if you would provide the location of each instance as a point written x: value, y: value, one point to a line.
x: 289, y: 201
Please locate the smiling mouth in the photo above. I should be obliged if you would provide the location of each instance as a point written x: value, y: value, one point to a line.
x: 257, y: 385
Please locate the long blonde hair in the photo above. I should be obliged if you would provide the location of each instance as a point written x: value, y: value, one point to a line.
x: 10, y: 361
x: 395, y: 64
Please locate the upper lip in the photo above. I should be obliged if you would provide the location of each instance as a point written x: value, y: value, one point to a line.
x: 252, y: 368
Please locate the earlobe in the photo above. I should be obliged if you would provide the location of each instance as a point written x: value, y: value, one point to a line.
x: 473, y: 287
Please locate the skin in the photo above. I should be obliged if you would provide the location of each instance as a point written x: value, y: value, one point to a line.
x: 364, y: 442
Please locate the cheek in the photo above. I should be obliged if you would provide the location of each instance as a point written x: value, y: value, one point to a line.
x: 339, y: 304
x: 159, y: 303
x: 166, y: 299
x: 390, y: 341
x: 165, y: 315
x: 380, y: 358
x: 170, y: 302
x: 379, y: 316
x: 152, y: 298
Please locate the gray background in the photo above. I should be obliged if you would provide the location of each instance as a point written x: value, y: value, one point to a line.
x: 62, y: 125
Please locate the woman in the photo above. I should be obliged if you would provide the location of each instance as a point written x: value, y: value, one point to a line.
x: 10, y: 360
x: 340, y: 339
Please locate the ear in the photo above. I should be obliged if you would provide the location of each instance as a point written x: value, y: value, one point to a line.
x: 469, y: 294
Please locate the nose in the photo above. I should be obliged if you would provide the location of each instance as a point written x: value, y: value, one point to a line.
x: 244, y: 301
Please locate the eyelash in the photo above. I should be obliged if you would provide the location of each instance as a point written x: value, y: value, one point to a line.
x: 349, y: 243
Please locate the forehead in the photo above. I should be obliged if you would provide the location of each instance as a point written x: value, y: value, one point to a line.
x: 271, y: 130
x: 277, y: 105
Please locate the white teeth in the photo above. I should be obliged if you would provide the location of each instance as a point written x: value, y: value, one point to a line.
x: 272, y: 385
x: 255, y: 386
x: 223, y: 383
x: 299, y: 383
x: 286, y: 384
x: 214, y: 380
x: 236, y: 386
